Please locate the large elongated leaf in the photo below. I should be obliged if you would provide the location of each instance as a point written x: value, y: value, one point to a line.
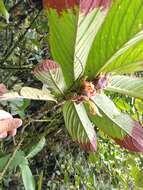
x: 73, y: 26
x: 37, y: 148
x: 36, y: 94
x: 50, y: 73
x: 123, y: 129
x: 106, y: 124
x: 110, y: 110
x: 120, y: 37
x: 129, y: 66
x: 28, y: 93
x: 79, y: 125
x: 126, y: 85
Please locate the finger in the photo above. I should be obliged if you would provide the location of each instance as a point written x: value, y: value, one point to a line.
x: 9, y: 124
x: 13, y: 132
x: 3, y: 135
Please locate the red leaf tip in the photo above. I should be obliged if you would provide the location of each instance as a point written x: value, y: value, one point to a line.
x: 89, y: 5
x: 133, y: 143
x: 60, y: 5
x: 84, y: 5
x: 46, y: 65
x: 90, y: 147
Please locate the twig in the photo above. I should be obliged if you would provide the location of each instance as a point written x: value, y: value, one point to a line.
x: 24, y: 67
x: 40, y: 120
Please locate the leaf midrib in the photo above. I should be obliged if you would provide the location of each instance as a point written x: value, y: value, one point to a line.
x: 52, y: 77
x: 82, y: 121
x: 110, y: 60
x: 112, y: 117
x: 120, y: 90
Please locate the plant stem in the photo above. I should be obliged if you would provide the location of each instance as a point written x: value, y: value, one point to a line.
x: 24, y: 67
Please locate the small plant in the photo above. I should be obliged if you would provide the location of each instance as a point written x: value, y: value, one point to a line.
x: 93, y: 44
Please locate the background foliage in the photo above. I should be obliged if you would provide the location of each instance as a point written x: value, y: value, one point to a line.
x: 60, y: 163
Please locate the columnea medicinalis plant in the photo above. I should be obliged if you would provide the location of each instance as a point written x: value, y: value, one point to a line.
x: 93, y: 44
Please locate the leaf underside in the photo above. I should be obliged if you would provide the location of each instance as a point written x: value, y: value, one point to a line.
x: 126, y: 85
x: 28, y: 93
x: 50, y: 73
x: 127, y: 132
x: 79, y: 125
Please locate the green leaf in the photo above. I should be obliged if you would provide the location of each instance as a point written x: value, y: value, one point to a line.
x: 134, y: 171
x: 79, y: 125
x: 36, y: 94
x: 110, y: 110
x: 139, y: 179
x: 122, y: 104
x: 37, y: 148
x: 131, y: 162
x: 29, y: 93
x: 123, y: 129
x: 93, y: 158
x: 4, y: 11
x: 27, y: 177
x: 15, y: 162
x: 2, y: 26
x: 73, y: 27
x: 139, y: 105
x: 128, y: 67
x: 110, y: 116
x: 118, y: 45
x: 126, y: 85
x: 50, y: 74
x: 40, y: 181
x: 3, y: 161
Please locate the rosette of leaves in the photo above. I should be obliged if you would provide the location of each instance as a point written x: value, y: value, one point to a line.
x: 88, y: 40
